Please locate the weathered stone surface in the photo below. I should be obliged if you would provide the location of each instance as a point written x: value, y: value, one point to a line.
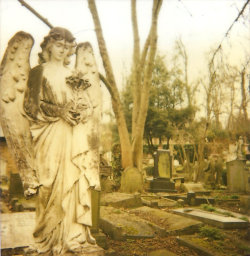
x: 164, y: 202
x: 17, y: 229
x: 194, y: 187
x: 167, y: 223
x: 131, y: 180
x: 161, y: 253
x: 117, y: 199
x: 92, y: 251
x: 156, y: 201
x: 233, y: 214
x: 200, y: 250
x: 95, y: 202
x: 121, y: 225
x: 236, y: 175
x: 162, y: 185
x: 100, y: 238
x: 245, y: 204
x: 212, y: 218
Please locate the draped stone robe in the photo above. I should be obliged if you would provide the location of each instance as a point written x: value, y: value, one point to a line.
x: 66, y: 162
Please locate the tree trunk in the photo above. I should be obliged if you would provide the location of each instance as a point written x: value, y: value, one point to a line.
x: 110, y: 83
x: 141, y: 80
x: 243, y: 95
x: 145, y: 68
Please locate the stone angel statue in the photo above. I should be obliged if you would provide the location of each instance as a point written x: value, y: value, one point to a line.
x: 50, y: 116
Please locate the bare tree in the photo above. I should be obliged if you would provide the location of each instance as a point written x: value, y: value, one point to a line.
x: 132, y: 151
x: 244, y: 101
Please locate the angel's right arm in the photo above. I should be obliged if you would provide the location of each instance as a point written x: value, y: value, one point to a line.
x: 50, y: 109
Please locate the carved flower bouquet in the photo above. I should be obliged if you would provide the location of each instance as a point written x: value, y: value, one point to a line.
x: 81, y: 105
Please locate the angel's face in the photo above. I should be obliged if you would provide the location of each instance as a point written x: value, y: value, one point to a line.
x: 59, y: 50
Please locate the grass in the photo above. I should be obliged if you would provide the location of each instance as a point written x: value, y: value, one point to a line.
x: 211, y: 233
x: 244, y: 218
x: 227, y: 197
x: 208, y: 207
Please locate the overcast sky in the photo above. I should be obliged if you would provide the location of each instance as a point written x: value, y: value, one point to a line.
x: 200, y: 23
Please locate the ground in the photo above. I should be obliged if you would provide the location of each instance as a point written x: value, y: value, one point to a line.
x: 221, y: 242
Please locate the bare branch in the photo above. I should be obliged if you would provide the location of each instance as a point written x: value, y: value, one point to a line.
x: 229, y: 29
x: 35, y: 12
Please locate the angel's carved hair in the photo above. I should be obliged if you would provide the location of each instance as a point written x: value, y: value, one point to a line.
x: 54, y: 35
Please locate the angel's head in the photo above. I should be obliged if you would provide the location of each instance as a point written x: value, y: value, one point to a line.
x: 58, y: 38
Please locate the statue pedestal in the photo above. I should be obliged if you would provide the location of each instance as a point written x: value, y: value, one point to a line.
x: 92, y: 251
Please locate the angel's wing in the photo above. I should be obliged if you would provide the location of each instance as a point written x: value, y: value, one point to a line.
x: 86, y: 64
x: 14, y: 73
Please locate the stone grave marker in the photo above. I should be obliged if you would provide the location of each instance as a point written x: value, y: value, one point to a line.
x: 17, y: 229
x: 212, y: 218
x: 16, y: 186
x: 121, y: 225
x: 237, y: 176
x: 198, y: 188
x: 167, y: 223
x: 117, y: 199
x: 162, y: 181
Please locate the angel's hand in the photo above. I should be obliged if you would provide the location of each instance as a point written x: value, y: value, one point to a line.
x: 70, y: 114
x: 30, y: 192
x: 70, y: 117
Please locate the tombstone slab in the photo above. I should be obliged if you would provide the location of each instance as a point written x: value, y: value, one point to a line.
x: 17, y: 229
x: 200, y: 250
x: 198, y: 188
x: 121, y: 225
x: 212, y: 218
x: 117, y: 199
x: 167, y: 223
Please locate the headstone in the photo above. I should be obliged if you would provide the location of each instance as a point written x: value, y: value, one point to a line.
x: 236, y: 175
x: 17, y: 229
x: 162, y: 181
x: 131, y: 180
x: 16, y: 187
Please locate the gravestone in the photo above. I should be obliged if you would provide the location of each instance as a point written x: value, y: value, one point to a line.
x: 214, y: 219
x: 17, y: 229
x: 131, y: 180
x: 237, y: 175
x: 121, y: 225
x: 162, y: 181
x: 16, y: 186
x: 95, y: 229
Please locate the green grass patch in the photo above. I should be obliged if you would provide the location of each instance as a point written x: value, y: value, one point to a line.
x: 208, y: 207
x: 211, y: 233
x: 244, y: 218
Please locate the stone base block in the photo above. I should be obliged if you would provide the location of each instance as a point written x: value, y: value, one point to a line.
x: 162, y: 185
